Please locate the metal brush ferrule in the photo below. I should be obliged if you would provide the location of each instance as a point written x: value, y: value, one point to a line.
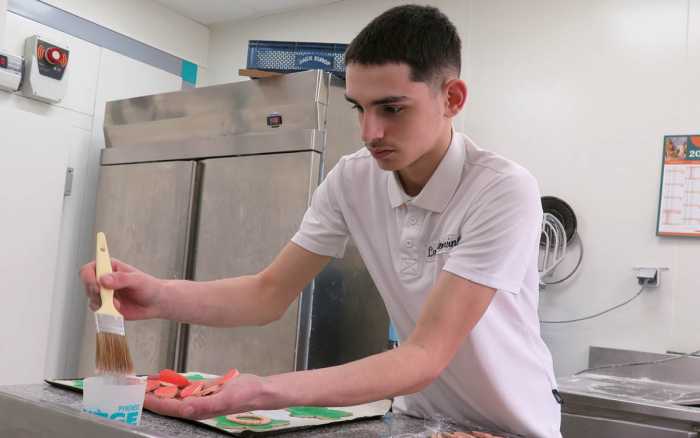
x: 109, y: 324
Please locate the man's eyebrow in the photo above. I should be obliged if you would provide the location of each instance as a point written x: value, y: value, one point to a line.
x: 382, y: 101
x: 351, y: 100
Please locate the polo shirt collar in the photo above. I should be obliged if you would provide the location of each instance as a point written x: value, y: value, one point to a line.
x: 442, y: 184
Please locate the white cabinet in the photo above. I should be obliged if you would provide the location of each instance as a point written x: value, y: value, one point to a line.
x: 33, y: 157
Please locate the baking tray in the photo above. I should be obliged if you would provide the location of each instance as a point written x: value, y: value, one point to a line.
x: 282, y: 419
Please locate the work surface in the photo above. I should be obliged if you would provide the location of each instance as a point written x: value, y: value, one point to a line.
x: 632, y: 394
x: 39, y: 410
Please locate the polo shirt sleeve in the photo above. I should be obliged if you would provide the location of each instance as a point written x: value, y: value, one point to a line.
x: 323, y: 229
x: 500, y: 234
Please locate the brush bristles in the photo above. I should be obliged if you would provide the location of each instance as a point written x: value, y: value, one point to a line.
x: 113, y: 355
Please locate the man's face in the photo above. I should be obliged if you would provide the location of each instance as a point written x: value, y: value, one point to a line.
x: 401, y: 120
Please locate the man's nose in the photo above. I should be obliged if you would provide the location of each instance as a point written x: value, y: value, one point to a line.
x: 372, y: 128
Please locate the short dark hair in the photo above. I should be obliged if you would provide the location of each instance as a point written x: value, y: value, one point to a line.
x: 420, y: 36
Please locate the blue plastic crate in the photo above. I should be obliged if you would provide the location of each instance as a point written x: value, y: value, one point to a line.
x: 288, y: 57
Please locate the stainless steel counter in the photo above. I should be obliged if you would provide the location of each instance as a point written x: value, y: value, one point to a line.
x: 41, y: 410
x: 655, y: 400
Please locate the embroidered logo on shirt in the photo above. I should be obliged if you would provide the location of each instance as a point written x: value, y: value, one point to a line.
x: 443, y: 246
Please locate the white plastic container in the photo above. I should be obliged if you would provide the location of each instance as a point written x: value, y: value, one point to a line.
x: 118, y: 398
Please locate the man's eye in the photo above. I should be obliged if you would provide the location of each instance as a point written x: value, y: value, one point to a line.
x: 357, y: 107
x: 393, y: 109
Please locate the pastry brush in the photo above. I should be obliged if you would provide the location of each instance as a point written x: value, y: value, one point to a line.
x: 112, y: 353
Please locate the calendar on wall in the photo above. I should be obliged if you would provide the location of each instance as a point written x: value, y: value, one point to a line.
x: 679, y: 200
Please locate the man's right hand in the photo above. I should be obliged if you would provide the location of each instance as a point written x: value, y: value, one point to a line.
x: 137, y: 295
x: 228, y: 302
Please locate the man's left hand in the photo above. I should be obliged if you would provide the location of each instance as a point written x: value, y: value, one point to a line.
x: 241, y: 394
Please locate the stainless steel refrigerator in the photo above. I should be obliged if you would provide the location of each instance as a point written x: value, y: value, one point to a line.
x: 212, y: 182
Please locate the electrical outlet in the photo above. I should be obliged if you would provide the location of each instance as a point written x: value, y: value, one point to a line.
x: 649, y: 276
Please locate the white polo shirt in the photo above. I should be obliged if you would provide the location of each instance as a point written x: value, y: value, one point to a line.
x: 478, y: 217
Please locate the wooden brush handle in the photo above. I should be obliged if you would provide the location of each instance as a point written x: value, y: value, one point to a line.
x: 104, y: 266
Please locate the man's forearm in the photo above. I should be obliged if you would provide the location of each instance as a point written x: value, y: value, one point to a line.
x: 404, y: 370
x: 229, y: 302
x: 248, y: 300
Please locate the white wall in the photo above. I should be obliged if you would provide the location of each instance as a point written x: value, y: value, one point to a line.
x: 97, y: 75
x: 581, y: 93
x: 145, y: 21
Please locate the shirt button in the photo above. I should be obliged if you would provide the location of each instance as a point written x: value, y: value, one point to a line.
x: 412, y: 220
x: 409, y: 244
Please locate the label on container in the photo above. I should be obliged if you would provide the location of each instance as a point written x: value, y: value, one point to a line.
x: 128, y: 414
x: 309, y: 61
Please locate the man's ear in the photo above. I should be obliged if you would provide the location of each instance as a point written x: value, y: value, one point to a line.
x: 456, y: 92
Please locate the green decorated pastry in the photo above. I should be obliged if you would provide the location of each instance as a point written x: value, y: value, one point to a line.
x: 317, y: 412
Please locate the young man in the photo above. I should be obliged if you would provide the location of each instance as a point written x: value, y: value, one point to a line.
x: 449, y: 233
